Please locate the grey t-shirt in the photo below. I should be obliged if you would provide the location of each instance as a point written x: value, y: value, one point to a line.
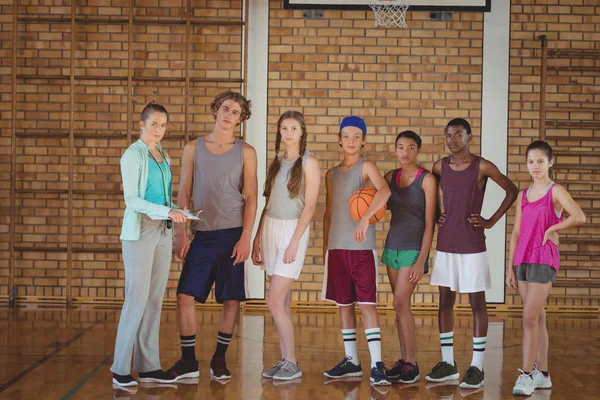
x: 281, y: 206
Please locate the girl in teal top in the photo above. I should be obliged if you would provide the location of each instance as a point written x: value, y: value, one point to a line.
x: 147, y: 247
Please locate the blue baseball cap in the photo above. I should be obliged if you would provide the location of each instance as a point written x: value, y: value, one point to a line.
x: 357, y: 122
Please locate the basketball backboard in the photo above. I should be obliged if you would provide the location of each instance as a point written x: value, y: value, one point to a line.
x: 415, y: 5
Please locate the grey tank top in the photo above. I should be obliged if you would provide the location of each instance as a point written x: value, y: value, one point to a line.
x: 281, y: 206
x: 217, y: 189
x: 341, y: 230
x: 407, y: 205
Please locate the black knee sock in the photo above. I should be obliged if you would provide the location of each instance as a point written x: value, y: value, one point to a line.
x: 223, y: 340
x: 188, y: 347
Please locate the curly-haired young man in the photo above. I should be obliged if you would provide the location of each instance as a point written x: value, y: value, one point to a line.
x: 218, y: 176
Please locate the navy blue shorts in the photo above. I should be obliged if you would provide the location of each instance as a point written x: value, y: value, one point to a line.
x: 209, y: 261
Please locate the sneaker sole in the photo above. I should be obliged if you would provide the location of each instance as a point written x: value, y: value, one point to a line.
x: 156, y: 380
x: 348, y: 375
x: 221, y: 377
x: 380, y: 383
x: 411, y: 381
x: 194, y: 374
x: 444, y: 379
x: 128, y: 384
x: 287, y: 378
x: 465, y: 385
x: 544, y: 386
x: 519, y: 392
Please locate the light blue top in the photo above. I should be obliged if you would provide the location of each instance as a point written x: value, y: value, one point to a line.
x: 159, y: 182
x: 134, y: 172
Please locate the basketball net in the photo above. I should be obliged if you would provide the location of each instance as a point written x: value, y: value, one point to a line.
x: 390, y: 12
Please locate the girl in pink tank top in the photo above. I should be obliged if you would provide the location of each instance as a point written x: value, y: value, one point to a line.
x: 534, y: 260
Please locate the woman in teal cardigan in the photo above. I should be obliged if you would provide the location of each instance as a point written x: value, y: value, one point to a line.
x: 147, y: 238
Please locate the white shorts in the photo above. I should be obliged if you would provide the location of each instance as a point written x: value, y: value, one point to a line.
x: 465, y: 273
x: 275, y: 238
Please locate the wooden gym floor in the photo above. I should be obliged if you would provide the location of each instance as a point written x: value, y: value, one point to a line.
x: 66, y: 354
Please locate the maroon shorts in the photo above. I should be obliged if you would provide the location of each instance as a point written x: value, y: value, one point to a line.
x: 351, y: 277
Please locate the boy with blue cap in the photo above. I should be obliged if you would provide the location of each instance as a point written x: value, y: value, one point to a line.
x: 349, y: 250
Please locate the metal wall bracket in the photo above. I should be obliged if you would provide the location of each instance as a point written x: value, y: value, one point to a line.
x: 313, y: 14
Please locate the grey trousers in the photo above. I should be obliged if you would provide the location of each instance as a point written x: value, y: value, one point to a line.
x: 147, y: 263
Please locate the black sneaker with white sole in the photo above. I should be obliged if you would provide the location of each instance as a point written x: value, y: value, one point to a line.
x: 473, y: 379
x: 124, y: 380
x: 158, y: 376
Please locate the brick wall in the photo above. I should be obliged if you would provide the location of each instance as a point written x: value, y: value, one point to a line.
x: 419, y: 79
x: 326, y: 68
x: 5, y: 140
x: 568, y: 24
x: 102, y: 122
x: 396, y: 79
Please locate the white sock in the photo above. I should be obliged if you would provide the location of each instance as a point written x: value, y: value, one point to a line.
x: 447, y: 342
x: 374, y: 341
x: 349, y: 336
x: 478, y: 352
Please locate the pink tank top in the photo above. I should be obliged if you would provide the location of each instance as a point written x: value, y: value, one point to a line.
x: 536, y: 218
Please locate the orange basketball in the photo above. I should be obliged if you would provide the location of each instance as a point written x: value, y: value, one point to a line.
x: 360, y: 202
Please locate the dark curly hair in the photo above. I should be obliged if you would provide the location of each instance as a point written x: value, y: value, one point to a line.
x: 245, y: 104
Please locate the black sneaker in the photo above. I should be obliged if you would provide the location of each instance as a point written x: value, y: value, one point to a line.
x: 443, y: 372
x: 124, y: 380
x: 218, y: 368
x: 158, y: 376
x: 183, y: 369
x: 344, y: 369
x: 394, y: 373
x: 473, y: 379
x: 378, y: 376
x: 409, y: 373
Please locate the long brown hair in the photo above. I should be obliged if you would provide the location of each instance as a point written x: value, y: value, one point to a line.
x: 296, y: 174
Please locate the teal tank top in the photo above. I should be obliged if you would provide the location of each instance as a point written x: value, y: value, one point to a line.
x: 159, y: 182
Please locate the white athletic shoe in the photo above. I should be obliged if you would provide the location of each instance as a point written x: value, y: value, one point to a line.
x: 539, y: 380
x: 524, y: 385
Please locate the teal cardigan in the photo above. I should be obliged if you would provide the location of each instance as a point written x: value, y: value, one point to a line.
x: 134, y: 172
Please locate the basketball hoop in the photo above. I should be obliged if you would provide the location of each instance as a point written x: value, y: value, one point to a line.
x: 390, y: 12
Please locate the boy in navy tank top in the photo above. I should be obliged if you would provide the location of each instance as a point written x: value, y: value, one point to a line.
x: 218, y: 176
x: 461, y: 262
x: 349, y: 251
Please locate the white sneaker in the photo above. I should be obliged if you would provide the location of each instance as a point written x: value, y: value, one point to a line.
x: 524, y: 385
x: 540, y: 381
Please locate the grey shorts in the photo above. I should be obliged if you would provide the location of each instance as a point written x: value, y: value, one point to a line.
x: 537, y: 273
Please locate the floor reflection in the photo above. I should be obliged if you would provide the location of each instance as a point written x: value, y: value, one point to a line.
x: 63, y: 354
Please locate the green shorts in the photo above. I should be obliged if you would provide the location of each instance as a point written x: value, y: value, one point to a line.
x: 536, y: 273
x: 397, y: 259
